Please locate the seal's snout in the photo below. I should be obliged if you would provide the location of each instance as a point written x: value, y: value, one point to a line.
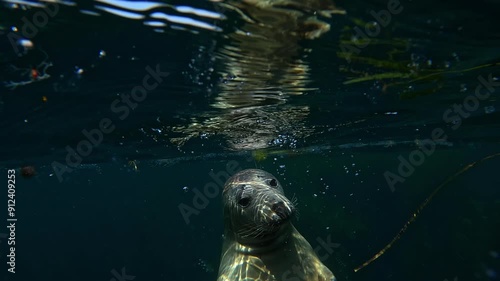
x: 278, y: 208
x: 281, y: 211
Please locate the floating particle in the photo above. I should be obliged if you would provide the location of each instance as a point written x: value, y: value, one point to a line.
x: 28, y: 172
x: 78, y: 70
x: 26, y: 44
x: 133, y: 165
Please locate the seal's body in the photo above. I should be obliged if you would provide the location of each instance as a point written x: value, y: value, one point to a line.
x: 260, y: 243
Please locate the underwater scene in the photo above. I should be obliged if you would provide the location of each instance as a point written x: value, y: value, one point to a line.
x: 250, y: 140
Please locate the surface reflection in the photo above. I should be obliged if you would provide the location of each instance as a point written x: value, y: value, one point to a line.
x: 258, y: 56
x: 263, y: 64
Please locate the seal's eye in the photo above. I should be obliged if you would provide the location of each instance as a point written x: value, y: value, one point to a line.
x: 273, y: 182
x: 244, y: 202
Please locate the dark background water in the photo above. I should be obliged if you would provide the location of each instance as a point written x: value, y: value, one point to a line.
x: 283, y: 106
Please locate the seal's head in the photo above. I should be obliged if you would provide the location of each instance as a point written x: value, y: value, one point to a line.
x: 255, y: 207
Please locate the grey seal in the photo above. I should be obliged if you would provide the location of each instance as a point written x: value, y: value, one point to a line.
x: 260, y: 242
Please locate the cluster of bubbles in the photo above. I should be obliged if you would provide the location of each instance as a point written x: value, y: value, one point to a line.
x: 205, y: 265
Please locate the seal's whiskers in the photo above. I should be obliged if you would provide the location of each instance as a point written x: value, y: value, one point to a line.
x: 252, y: 231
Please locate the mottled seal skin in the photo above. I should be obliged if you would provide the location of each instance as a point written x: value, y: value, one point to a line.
x: 260, y: 242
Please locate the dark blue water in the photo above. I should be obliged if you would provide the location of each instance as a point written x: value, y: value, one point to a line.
x: 127, y: 117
